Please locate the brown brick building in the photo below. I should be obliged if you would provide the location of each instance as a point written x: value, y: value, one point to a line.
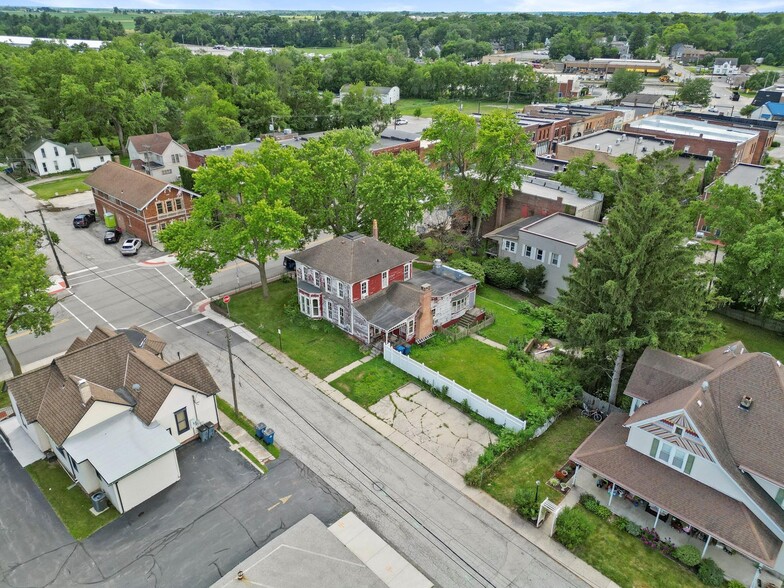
x: 141, y: 204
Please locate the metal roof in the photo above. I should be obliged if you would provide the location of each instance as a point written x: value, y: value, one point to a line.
x: 565, y: 228
x: 694, y: 128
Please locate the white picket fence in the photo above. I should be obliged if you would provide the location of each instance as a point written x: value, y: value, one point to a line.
x: 454, y: 390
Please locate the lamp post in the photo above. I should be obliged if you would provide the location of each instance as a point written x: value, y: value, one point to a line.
x: 280, y: 340
x: 536, y: 498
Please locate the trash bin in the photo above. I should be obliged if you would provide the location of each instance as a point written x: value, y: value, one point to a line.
x: 400, y: 348
x: 210, y: 429
x: 100, y: 502
x: 203, y: 433
x: 269, y: 436
x: 406, y: 349
x: 260, y: 430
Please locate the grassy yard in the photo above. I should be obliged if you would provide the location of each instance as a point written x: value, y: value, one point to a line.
x: 245, y: 423
x: 508, y: 322
x: 5, y: 399
x: 61, y: 187
x: 625, y: 560
x: 318, y: 345
x: 71, y: 506
x: 408, y: 105
x: 538, y: 459
x: 754, y: 338
x: 370, y: 382
x: 480, y: 368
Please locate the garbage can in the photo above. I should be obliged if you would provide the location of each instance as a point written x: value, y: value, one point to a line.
x: 100, y: 502
x: 203, y: 433
x: 400, y: 348
x: 210, y: 429
x: 260, y: 430
x: 406, y: 349
x: 269, y: 436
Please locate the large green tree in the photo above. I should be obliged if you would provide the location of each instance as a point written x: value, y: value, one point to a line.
x: 695, y: 91
x: 625, y: 82
x: 244, y: 213
x: 731, y: 209
x: 362, y: 107
x: 481, y: 163
x: 19, y: 119
x: 636, y: 284
x: 24, y: 301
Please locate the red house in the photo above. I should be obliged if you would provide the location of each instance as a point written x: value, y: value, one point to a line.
x: 371, y: 290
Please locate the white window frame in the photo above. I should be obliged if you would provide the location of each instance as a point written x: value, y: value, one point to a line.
x: 317, y: 279
x: 341, y: 316
x: 341, y: 290
x: 43, y: 153
x: 384, y: 279
x: 56, y: 166
x: 539, y: 255
x: 410, y: 327
x: 363, y: 289
x: 328, y: 284
x: 510, y: 246
x: 330, y: 310
x: 43, y: 164
x: 555, y: 259
x: 407, y: 271
x: 528, y: 251
x: 667, y: 453
x: 458, y: 305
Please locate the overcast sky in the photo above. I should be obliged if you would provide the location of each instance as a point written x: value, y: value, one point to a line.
x: 435, y: 5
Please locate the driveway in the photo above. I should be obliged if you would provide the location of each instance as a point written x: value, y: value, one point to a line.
x: 221, y: 511
x: 436, y: 426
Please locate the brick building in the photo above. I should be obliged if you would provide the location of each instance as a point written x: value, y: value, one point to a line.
x: 583, y: 120
x: 545, y: 132
x: 142, y: 205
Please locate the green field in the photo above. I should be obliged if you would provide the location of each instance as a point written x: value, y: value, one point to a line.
x: 370, y: 382
x: 62, y: 187
x: 754, y: 338
x: 408, y: 105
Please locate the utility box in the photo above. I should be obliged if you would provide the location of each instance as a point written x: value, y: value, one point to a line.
x: 100, y: 501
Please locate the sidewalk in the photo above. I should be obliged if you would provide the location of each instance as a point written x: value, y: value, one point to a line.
x: 35, y: 203
x: 489, y: 342
x: 346, y: 369
x: 244, y: 440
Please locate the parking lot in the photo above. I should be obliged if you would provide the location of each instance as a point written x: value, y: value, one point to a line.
x: 221, y: 511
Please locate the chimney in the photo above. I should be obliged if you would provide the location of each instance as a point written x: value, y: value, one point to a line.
x: 375, y: 229
x: 84, y: 390
x: 437, y: 266
x: 424, y: 322
x: 745, y: 403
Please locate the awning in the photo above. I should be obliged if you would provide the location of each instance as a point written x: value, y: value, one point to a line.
x: 307, y: 287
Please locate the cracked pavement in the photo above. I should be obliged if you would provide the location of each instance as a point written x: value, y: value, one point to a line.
x: 436, y: 426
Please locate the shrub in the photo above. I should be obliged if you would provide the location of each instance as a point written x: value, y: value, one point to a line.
x: 502, y: 273
x: 735, y: 584
x: 710, y: 573
x: 525, y: 501
x: 472, y: 267
x: 688, y: 555
x: 633, y: 529
x: 552, y: 326
x: 572, y: 528
x: 588, y: 502
x: 535, y: 280
x: 603, y: 512
x: 620, y: 523
x: 775, y: 144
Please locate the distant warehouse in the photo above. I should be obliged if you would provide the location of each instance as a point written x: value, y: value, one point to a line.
x: 27, y: 41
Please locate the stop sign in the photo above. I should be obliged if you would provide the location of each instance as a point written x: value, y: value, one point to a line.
x: 226, y: 299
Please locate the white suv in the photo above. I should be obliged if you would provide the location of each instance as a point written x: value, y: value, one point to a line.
x: 131, y: 246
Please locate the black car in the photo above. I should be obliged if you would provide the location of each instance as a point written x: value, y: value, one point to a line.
x: 82, y: 221
x: 112, y: 236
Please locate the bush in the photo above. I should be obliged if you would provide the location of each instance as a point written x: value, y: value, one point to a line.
x: 633, y: 529
x: 502, y: 273
x: 552, y: 326
x: 620, y: 523
x: 525, y: 501
x: 688, y: 555
x: 735, y: 584
x: 603, y: 512
x: 535, y: 280
x: 710, y: 573
x: 472, y: 267
x: 572, y: 528
x: 589, y: 502
x: 775, y: 144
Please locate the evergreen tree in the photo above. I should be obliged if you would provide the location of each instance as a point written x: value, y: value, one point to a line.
x: 636, y: 283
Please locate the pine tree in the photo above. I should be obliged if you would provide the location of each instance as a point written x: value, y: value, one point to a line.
x: 636, y: 283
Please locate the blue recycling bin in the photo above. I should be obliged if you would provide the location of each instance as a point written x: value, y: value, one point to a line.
x: 269, y: 436
x: 260, y: 430
x: 400, y: 349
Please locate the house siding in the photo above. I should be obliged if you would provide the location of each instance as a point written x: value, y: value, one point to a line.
x: 54, y: 163
x: 87, y: 477
x: 96, y: 414
x: 33, y: 430
x: 555, y: 274
x: 200, y: 409
x: 146, y: 482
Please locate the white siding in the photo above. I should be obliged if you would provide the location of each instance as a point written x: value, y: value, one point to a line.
x: 111, y: 493
x: 86, y: 476
x: 779, y: 566
x: 769, y: 487
x: 146, y: 482
x: 87, y: 164
x: 33, y: 430
x: 200, y: 408
x: 55, y: 164
x: 98, y: 413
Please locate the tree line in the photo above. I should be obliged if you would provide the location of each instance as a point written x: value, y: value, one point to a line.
x: 59, y: 27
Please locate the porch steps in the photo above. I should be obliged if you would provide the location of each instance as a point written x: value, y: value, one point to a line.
x: 465, y: 321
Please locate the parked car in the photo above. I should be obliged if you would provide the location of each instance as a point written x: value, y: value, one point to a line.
x: 84, y: 220
x: 401, y: 121
x: 112, y: 235
x: 131, y: 246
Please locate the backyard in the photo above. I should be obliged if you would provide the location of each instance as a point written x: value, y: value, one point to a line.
x: 67, y: 185
x: 538, y: 460
x: 318, y: 345
x: 508, y: 322
x: 754, y: 338
x: 71, y: 505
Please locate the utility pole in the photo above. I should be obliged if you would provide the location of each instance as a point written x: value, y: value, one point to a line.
x: 508, y: 98
x: 54, y: 251
x: 231, y: 371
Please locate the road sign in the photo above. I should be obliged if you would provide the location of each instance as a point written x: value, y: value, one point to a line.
x: 226, y: 299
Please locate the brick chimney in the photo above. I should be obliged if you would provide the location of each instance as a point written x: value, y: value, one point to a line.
x: 424, y: 319
x: 375, y: 229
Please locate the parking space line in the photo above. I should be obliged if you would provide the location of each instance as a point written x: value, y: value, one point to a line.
x: 198, y: 320
x: 98, y: 314
x: 73, y: 315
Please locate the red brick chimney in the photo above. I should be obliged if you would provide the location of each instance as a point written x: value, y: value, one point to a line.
x: 424, y: 319
x: 375, y: 229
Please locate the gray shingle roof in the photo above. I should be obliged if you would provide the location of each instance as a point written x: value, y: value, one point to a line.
x: 658, y: 374
x: 156, y: 142
x: 352, y: 257
x: 87, y: 150
x: 391, y: 306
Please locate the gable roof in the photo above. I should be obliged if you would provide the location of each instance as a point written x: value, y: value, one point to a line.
x: 391, y: 306
x: 658, y: 374
x: 87, y: 150
x: 155, y: 142
x: 775, y: 108
x: 32, y: 144
x: 353, y: 257
x: 564, y: 228
x: 192, y: 372
x: 132, y: 187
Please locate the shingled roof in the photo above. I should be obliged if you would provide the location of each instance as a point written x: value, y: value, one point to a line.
x: 658, y: 374
x: 353, y: 257
x: 155, y: 142
x: 129, y: 186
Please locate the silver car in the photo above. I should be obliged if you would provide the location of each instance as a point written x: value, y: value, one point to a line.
x: 131, y: 246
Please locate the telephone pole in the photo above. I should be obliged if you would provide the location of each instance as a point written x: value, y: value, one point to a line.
x: 54, y: 251
x: 231, y: 371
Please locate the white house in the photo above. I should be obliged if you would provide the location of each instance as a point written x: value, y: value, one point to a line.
x: 386, y: 94
x: 702, y: 450
x: 158, y: 155
x: 44, y: 157
x: 87, y: 156
x: 725, y: 66
x: 113, y: 412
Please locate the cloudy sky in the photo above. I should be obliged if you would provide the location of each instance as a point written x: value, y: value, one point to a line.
x: 434, y: 5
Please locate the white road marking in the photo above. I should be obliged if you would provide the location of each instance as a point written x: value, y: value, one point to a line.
x: 98, y: 314
x: 81, y: 271
x: 104, y: 278
x: 160, y: 318
x: 187, y: 279
x: 182, y: 326
x: 173, y: 284
x: 73, y: 315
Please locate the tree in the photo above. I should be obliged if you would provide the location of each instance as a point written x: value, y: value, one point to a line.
x: 211, y: 121
x: 19, y: 119
x: 363, y: 108
x: 638, y: 39
x: 675, y: 33
x: 696, y: 91
x: 244, y: 213
x: 731, y: 209
x: 747, y: 110
x: 761, y: 80
x: 625, y: 82
x: 636, y: 284
x: 480, y: 164
x: 24, y: 300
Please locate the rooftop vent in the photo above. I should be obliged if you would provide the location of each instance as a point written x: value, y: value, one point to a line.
x: 745, y: 402
x: 705, y: 386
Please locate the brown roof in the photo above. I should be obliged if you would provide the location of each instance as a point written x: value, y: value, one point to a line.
x: 658, y: 374
x: 143, y: 369
x: 132, y: 187
x: 718, y: 357
x: 605, y: 452
x: 152, y: 342
x: 28, y: 390
x: 353, y: 257
x: 77, y: 344
x: 156, y: 142
x: 192, y: 371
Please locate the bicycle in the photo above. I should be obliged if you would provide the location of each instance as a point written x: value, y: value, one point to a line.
x: 592, y: 413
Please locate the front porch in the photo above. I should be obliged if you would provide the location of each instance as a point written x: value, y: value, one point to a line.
x: 639, y: 511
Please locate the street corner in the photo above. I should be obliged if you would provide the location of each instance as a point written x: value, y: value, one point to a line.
x: 58, y: 285
x: 158, y: 261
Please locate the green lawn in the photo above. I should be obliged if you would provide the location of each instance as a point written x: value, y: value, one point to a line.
x: 5, y: 399
x: 626, y: 561
x: 538, y: 460
x: 408, y: 105
x: 71, y: 506
x: 754, y: 338
x: 508, y: 322
x: 318, y: 345
x: 370, y: 382
x: 61, y: 187
x: 482, y: 369
x: 245, y: 423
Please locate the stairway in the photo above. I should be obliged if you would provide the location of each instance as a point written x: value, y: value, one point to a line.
x: 465, y: 321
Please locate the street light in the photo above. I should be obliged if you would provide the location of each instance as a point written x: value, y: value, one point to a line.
x: 536, y: 498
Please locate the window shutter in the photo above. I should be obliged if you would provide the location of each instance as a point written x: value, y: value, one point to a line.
x: 780, y: 496
x: 654, y: 447
x: 689, y: 464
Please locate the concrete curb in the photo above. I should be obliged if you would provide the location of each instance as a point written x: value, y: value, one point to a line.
x: 21, y: 187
